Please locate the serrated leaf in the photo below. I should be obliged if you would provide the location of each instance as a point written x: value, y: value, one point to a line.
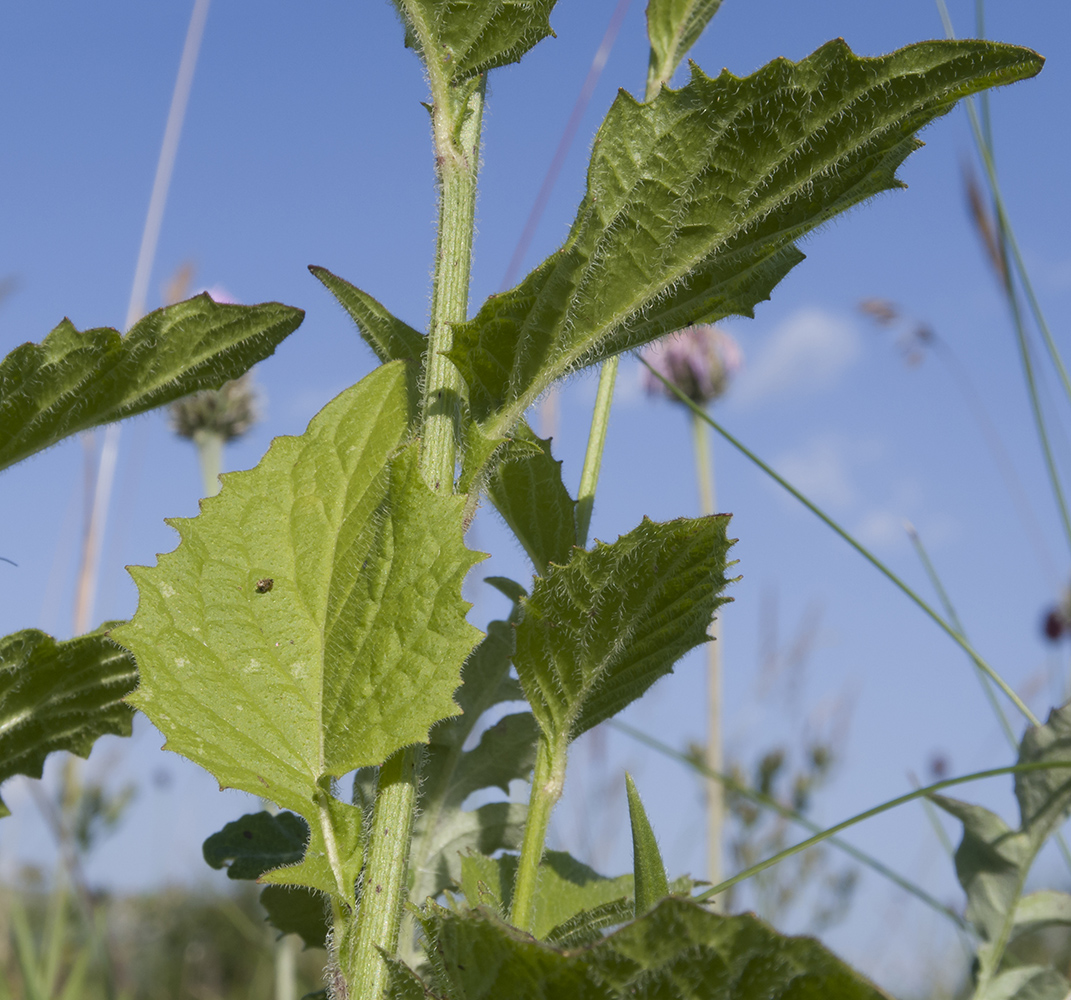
x: 354, y: 649
x: 462, y: 38
x: 673, y: 27
x: 75, y: 380
x: 567, y: 888
x: 296, y: 910
x: 527, y: 490
x: 59, y: 696
x: 993, y: 861
x: 647, y: 867
x: 599, y: 631
x: 256, y: 843
x: 695, y: 201
x: 678, y: 951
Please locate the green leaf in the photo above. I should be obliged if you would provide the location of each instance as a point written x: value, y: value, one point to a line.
x: 599, y: 631
x: 527, y: 490
x: 673, y: 27
x: 351, y: 654
x: 389, y: 337
x: 462, y: 38
x: 256, y: 843
x: 296, y: 910
x: 75, y: 380
x: 567, y: 889
x: 647, y: 866
x: 450, y: 774
x: 1042, y: 909
x: 677, y: 951
x: 695, y: 201
x: 1027, y: 982
x: 59, y: 696
x: 993, y: 861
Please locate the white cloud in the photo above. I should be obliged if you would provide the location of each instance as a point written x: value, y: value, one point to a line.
x: 806, y: 353
x: 820, y: 471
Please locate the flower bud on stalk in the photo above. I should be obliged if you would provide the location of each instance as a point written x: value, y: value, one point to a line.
x: 699, y: 360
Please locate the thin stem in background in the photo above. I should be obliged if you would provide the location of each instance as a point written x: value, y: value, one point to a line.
x: 918, y: 793
x: 859, y: 547
x: 600, y: 424
x: 598, y: 63
x: 704, y: 471
x: 89, y: 572
x: 768, y: 802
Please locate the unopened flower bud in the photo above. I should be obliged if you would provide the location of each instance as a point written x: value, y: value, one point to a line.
x: 699, y: 360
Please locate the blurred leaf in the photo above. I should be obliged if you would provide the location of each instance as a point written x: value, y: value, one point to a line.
x: 695, y: 201
x: 567, y: 889
x: 673, y: 27
x: 677, y: 951
x: 1041, y: 909
x: 527, y: 490
x: 599, y: 631
x: 352, y: 653
x: 993, y: 861
x: 647, y: 866
x: 75, y: 380
x: 1027, y: 982
x: 256, y: 843
x: 451, y: 774
x: 297, y: 910
x: 462, y: 38
x: 59, y: 696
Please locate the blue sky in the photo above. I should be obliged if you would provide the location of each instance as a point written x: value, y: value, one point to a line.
x: 305, y: 143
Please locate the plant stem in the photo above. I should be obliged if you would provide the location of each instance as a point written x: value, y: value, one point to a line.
x: 384, y: 879
x: 457, y: 115
x: 209, y: 446
x: 876, y: 811
x: 704, y: 471
x: 600, y: 424
x: 547, y: 783
x: 861, y: 549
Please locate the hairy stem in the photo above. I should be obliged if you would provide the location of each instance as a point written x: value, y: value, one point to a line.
x: 457, y: 114
x: 384, y: 880
x: 600, y: 423
x: 547, y: 783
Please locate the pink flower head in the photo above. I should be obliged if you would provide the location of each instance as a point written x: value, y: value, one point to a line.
x: 699, y: 360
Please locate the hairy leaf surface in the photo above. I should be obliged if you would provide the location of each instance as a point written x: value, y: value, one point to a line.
x: 599, y: 631
x: 673, y: 27
x: 993, y: 861
x: 527, y: 490
x: 74, y: 380
x: 678, y: 951
x: 467, y: 37
x: 354, y: 649
x: 59, y: 696
x: 695, y: 201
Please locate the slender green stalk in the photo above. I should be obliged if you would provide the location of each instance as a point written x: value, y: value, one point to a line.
x: 861, y: 549
x: 209, y: 446
x: 547, y: 783
x: 457, y: 114
x: 600, y: 423
x: 950, y: 611
x: 704, y: 472
x: 918, y: 793
x: 383, y: 881
x: 767, y: 802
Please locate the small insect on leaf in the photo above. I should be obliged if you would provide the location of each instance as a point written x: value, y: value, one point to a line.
x: 263, y: 586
